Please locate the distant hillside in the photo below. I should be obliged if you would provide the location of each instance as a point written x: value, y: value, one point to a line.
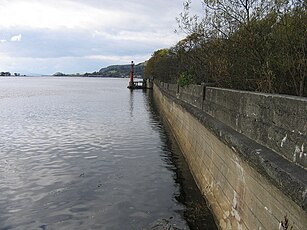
x: 121, y: 70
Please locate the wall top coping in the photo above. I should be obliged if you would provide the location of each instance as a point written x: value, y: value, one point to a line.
x: 304, y: 99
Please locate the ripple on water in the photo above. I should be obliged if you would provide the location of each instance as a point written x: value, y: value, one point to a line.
x: 83, y: 154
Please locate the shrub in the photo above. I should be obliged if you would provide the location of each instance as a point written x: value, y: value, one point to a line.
x: 185, y: 79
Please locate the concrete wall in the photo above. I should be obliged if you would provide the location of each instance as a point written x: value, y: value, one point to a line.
x: 173, y: 88
x: 278, y: 122
x: 193, y: 94
x: 247, y: 185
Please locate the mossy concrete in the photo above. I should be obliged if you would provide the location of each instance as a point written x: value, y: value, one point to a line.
x: 248, y: 185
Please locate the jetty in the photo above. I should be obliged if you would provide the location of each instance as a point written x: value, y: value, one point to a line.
x: 143, y: 84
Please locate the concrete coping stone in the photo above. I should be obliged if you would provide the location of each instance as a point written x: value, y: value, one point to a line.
x: 290, y: 97
x: 286, y: 176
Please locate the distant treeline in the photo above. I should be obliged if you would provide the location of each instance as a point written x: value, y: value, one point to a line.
x: 111, y: 71
x: 119, y: 71
x: 257, y: 45
x: 8, y: 74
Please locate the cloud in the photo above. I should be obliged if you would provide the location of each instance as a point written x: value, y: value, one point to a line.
x: 138, y: 36
x: 118, y: 59
x: 56, y: 15
x: 16, y: 38
x: 88, y: 14
x: 69, y: 64
x: 83, y: 35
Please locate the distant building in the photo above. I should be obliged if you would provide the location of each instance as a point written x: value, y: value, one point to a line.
x: 5, y: 74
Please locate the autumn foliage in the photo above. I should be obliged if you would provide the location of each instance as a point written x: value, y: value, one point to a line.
x: 257, y: 45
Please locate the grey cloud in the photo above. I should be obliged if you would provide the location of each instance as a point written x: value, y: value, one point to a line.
x: 149, y: 27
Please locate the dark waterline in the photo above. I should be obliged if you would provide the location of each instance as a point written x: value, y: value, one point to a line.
x: 84, y: 153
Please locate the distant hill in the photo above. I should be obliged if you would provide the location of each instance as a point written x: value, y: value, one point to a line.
x: 121, y: 70
x: 111, y: 71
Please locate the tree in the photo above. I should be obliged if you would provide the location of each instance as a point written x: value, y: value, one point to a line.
x: 162, y: 66
x: 248, y: 44
x: 257, y: 45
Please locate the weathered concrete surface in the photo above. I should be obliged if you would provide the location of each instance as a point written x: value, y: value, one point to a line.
x: 276, y: 121
x: 247, y: 185
x: 173, y: 88
x: 192, y: 94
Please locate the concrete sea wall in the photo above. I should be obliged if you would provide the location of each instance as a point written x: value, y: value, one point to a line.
x: 248, y: 183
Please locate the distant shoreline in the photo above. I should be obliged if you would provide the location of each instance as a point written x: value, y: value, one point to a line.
x: 66, y: 76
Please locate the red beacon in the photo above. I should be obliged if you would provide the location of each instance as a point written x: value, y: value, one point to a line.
x: 131, y: 83
x: 142, y: 84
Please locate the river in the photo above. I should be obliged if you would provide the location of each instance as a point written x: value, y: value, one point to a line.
x: 87, y: 153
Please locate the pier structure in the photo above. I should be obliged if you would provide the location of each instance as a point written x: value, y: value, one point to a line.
x: 143, y: 84
x: 131, y: 82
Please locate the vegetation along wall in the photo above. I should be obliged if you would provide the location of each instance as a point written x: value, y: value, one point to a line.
x: 245, y: 151
x: 254, y: 45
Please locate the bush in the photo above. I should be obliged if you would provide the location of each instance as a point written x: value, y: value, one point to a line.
x: 185, y: 79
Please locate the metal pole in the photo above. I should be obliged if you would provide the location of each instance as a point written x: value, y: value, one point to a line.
x: 131, y: 83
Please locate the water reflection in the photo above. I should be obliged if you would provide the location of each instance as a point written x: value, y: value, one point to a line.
x: 196, y: 212
x: 87, y: 154
x: 131, y: 98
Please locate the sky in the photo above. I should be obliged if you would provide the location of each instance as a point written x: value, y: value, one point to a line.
x: 78, y: 36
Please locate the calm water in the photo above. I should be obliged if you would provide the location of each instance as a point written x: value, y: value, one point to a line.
x: 85, y: 153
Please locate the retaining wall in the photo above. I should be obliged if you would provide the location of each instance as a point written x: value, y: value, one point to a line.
x: 248, y: 185
x: 276, y: 121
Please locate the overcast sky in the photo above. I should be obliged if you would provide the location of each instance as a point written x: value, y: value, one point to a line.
x: 70, y: 36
